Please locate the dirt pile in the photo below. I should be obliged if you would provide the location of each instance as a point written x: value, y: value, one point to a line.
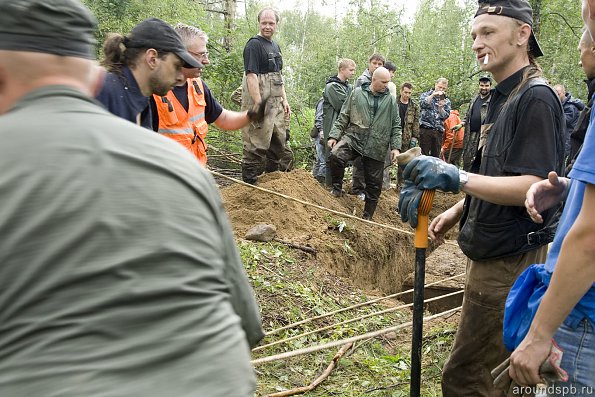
x: 371, y: 256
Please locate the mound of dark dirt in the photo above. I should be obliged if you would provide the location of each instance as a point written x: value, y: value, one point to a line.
x: 371, y: 256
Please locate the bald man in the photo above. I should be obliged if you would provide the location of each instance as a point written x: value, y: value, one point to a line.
x: 96, y: 299
x: 358, y: 133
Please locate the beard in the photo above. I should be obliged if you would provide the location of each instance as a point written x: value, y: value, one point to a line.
x: 158, y: 86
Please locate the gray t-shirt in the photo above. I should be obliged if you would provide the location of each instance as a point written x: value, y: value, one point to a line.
x: 119, y: 275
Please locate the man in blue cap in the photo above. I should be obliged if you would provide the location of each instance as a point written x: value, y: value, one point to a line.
x: 119, y: 274
x: 522, y: 141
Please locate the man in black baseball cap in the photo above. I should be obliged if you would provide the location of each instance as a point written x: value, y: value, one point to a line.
x: 485, y: 79
x: 147, y: 61
x: 476, y: 113
x: 521, y: 140
x: 517, y: 9
x: 155, y: 33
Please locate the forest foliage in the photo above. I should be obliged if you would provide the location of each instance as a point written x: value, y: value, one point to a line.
x: 435, y: 42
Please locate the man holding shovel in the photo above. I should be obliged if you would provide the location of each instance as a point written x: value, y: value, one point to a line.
x: 523, y: 141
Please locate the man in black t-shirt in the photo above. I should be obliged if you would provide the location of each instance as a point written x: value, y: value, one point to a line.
x: 523, y: 142
x: 265, y: 143
x: 478, y: 108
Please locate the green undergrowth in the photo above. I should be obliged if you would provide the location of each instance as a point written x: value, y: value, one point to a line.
x: 291, y: 287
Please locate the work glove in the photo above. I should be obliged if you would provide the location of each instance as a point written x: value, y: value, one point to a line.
x: 429, y: 173
x: 457, y: 127
x: 413, y: 143
x: 549, y: 370
x: 409, y: 199
x: 258, y: 114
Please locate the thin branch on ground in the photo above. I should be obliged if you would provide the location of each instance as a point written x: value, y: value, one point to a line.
x: 309, y: 250
x: 325, y: 374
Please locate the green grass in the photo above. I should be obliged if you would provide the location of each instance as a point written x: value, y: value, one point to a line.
x: 291, y: 287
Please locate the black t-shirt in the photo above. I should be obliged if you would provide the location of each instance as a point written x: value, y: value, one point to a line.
x: 535, y: 128
x: 475, y: 122
x: 524, y: 138
x: 212, y: 111
x: 262, y: 56
x: 402, y: 112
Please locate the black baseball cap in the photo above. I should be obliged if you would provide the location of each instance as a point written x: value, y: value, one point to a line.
x: 59, y: 27
x: 158, y: 34
x: 517, y: 9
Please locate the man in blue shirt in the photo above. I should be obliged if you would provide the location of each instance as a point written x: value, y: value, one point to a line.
x: 567, y: 309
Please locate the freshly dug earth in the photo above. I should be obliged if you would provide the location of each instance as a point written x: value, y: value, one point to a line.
x: 372, y: 257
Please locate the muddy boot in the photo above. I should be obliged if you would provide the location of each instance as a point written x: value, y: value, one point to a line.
x: 369, y: 209
x: 249, y: 174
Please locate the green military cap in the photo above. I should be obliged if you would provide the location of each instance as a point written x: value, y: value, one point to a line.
x: 60, y: 27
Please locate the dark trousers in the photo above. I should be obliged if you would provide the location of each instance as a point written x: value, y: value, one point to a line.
x: 372, y: 170
x: 430, y: 141
x: 454, y: 156
x: 358, y: 181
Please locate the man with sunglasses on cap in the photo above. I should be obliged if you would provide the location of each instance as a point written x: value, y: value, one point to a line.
x: 119, y: 273
x: 185, y: 112
x: 522, y: 142
x: 147, y: 61
x: 478, y: 109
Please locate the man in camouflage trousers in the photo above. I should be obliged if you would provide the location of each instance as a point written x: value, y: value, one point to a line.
x: 264, y: 141
x: 409, y: 113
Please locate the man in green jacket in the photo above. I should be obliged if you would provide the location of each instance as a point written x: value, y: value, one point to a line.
x: 335, y: 93
x: 369, y: 124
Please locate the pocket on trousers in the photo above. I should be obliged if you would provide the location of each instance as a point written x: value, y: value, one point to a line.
x: 276, y: 87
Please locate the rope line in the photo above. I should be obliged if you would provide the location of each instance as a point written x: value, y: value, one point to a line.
x: 316, y: 348
x: 343, y: 214
x: 370, y: 302
x: 392, y: 309
x: 226, y: 155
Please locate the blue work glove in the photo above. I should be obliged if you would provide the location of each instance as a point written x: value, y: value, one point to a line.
x: 409, y: 199
x: 429, y: 173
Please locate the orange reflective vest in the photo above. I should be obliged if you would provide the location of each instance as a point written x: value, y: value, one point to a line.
x: 187, y: 128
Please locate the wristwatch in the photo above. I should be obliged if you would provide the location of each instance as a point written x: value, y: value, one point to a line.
x: 463, y: 179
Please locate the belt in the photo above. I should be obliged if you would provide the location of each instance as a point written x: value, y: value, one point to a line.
x: 543, y: 236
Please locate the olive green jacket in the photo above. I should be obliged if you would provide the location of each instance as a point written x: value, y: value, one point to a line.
x: 369, y: 123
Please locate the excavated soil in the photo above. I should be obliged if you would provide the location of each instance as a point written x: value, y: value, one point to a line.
x: 372, y: 257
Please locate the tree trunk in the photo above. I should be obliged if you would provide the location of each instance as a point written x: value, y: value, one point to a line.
x: 536, y: 17
x: 228, y: 19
